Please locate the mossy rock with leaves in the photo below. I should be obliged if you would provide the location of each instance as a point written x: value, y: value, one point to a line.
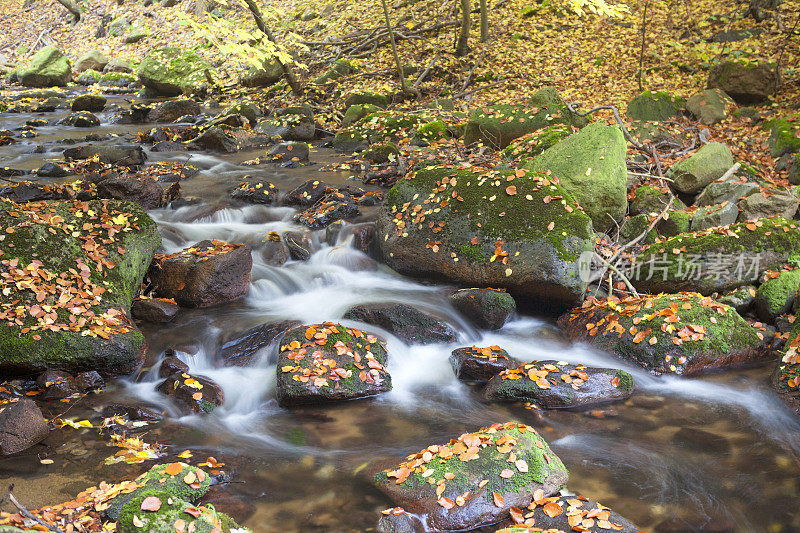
x: 511, y: 229
x: 684, y: 333
x: 476, y: 479
x: 716, y: 259
x: 534, y: 143
x: 591, y: 165
x: 651, y: 200
x: 655, y: 106
x: 323, y: 363
x: 171, y: 71
x: 100, y: 250
x: 356, y: 112
x: 381, y: 153
x: 340, y: 68
x: 496, y: 126
x: 49, y: 67
x: 158, y: 510
x: 121, y: 80
x: 777, y: 294
x: 178, y: 480
x: 785, y: 379
x: 388, y: 126
x: 558, y: 514
x: 375, y: 99
x: 784, y: 137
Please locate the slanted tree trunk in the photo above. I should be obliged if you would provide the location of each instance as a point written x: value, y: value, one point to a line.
x: 394, y: 49
x: 72, y: 7
x: 291, y: 79
x: 462, y: 46
x: 484, y: 21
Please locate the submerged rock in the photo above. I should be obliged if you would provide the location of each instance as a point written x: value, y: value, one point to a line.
x: 21, y: 426
x: 328, y: 362
x: 155, y: 310
x: 479, y: 364
x: 558, y: 384
x: 486, y: 308
x: 509, y: 229
x: 208, y: 273
x: 143, y: 191
x: 258, y: 192
x: 194, y: 394
x: 409, y: 324
x: 244, y: 346
x: 670, y: 333
x: 475, y: 480
x: 76, y: 287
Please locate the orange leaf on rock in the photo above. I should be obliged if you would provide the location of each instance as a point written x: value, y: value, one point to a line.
x: 498, y: 499
x: 506, y: 473
x: 511, y: 190
x: 173, y: 469
x: 552, y: 509
x: 151, y: 503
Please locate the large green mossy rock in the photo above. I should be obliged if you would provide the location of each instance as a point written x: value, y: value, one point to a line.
x: 785, y: 379
x: 776, y: 295
x: 655, y: 106
x: 511, y: 229
x: 49, y: 67
x: 651, y: 200
x: 716, y: 259
x: 591, y: 166
x: 324, y: 363
x: 704, y: 166
x: 172, y: 71
x: 73, y: 269
x: 682, y: 333
x: 784, y: 137
x: 476, y: 479
x: 533, y: 144
x: 367, y: 98
x: 496, y: 126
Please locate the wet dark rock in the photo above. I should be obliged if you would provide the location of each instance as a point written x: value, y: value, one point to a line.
x: 480, y: 364
x: 216, y: 139
x: 137, y: 114
x: 89, y: 381
x: 274, y: 251
x: 168, y: 146
x: 52, y: 170
x: 195, y: 394
x: 707, y: 335
x: 244, y: 346
x: 171, y: 171
x: 123, y: 154
x: 488, y: 472
x: 258, y: 192
x: 553, y: 385
x: 173, y: 110
x: 143, y: 191
x: 133, y: 412
x: 307, y: 194
x: 294, y: 127
x: 237, y: 507
x: 296, y: 152
x: 56, y: 385
x: 486, y: 308
x: 171, y: 365
x: 82, y: 119
x: 362, y: 236
x: 155, y: 310
x: 403, y: 321
x: 333, y: 207
x: 89, y: 102
x: 21, y: 426
x: 346, y: 364
x: 208, y: 273
x: 299, y: 244
x: 577, y: 506
x: 702, y: 441
x: 399, y: 521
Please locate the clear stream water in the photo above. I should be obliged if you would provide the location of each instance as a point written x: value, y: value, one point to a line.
x: 713, y: 454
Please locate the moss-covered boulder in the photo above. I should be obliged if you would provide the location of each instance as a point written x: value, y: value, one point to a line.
x: 591, y: 166
x: 745, y: 81
x: 480, y: 363
x: 71, y: 271
x: 534, y: 143
x: 485, y: 308
x: 340, y: 68
x: 433, y: 131
x: 777, y: 294
x: 476, y: 479
x: 635, y: 226
x: 119, y: 80
x: 740, y: 298
x: 179, y: 480
x: 566, y: 512
x: 785, y: 379
x: 654, y: 106
x: 388, y: 126
x: 349, y: 140
x: 328, y: 362
x: 651, y: 200
x: 709, y: 106
x: 784, y: 137
x: 496, y: 126
x: 289, y: 127
x: 269, y: 73
x: 361, y: 98
x: 356, y: 112
x: 511, y: 229
x: 381, y: 153
x: 49, y: 67
x: 683, y: 333
x: 701, y: 168
x: 172, y: 71
x: 89, y: 77
x: 716, y: 259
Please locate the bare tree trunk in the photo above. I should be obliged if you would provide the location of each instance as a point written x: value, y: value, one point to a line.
x: 291, y: 79
x: 394, y: 49
x: 462, y: 46
x: 484, y: 21
x: 72, y: 7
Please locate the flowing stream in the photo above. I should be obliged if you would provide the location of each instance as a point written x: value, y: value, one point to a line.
x: 713, y: 454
